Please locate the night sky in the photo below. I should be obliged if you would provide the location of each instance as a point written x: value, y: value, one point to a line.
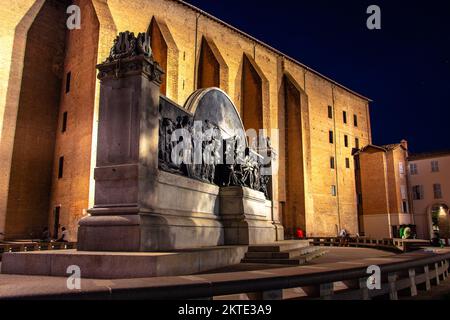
x: 404, y: 67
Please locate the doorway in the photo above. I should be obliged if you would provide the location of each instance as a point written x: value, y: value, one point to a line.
x: 440, y: 220
x: 56, y: 215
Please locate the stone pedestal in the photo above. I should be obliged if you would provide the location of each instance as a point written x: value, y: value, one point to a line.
x: 127, y: 149
x: 122, y: 265
x: 114, y: 232
x: 246, y: 216
x: 186, y: 215
x: 138, y: 205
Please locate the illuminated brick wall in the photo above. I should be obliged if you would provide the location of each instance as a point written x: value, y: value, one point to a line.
x: 299, y: 113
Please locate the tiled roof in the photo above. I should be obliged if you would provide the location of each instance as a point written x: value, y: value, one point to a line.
x: 369, y: 146
x: 428, y: 155
x: 384, y: 148
x: 392, y: 146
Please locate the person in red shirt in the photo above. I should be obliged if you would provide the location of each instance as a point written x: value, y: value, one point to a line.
x: 300, y: 233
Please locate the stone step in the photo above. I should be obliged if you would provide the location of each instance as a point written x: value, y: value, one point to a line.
x: 287, y: 261
x: 279, y: 247
x: 289, y: 254
x: 294, y: 262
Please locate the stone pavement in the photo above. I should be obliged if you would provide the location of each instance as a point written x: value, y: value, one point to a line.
x: 341, y: 254
x: 24, y: 285
x: 334, y: 254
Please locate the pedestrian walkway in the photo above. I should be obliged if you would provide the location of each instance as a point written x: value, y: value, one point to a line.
x: 337, y: 259
x: 333, y: 255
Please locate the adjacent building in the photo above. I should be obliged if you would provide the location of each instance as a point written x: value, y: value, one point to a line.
x: 430, y: 187
x: 383, y: 189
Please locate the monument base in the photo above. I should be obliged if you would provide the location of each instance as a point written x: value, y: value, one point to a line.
x: 189, y: 214
x: 109, y: 233
x: 186, y: 215
x: 246, y: 216
x: 121, y: 265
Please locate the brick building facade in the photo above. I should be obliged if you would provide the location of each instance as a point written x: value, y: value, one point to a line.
x: 49, y: 98
x: 383, y: 189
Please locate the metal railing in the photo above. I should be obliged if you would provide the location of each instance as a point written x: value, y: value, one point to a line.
x: 389, y: 244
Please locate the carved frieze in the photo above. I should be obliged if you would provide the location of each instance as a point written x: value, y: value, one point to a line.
x: 218, y: 161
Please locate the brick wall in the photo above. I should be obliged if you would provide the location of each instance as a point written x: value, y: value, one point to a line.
x: 34, y: 138
x: 71, y: 192
x: 182, y: 30
x: 17, y: 18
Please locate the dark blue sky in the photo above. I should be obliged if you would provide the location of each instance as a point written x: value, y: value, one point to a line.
x: 404, y: 67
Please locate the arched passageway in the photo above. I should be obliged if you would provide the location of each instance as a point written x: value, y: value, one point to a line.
x: 440, y: 222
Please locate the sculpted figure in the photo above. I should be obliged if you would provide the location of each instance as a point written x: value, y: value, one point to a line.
x: 126, y: 45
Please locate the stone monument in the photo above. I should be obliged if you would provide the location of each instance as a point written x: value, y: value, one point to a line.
x: 178, y: 190
x: 146, y: 202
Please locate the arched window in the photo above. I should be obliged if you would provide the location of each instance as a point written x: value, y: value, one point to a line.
x: 208, y: 67
x: 252, y: 95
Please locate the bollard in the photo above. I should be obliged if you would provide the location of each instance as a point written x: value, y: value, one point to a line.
x: 392, y: 278
x: 272, y: 295
x: 363, y: 288
x: 436, y: 270
x: 444, y: 273
x: 427, y: 278
x: 326, y: 291
x: 266, y: 295
x: 412, y: 279
x: 446, y: 268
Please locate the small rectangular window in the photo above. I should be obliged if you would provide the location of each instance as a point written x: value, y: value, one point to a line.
x: 413, y: 169
x: 344, y: 116
x: 68, y: 79
x: 347, y: 163
x: 57, y: 212
x: 434, y: 166
x: 333, y: 190
x: 437, y: 191
x: 403, y: 192
x: 61, y: 167
x: 405, y: 206
x: 64, y: 123
x: 356, y: 143
x: 346, y: 141
x: 401, y: 168
x: 331, y: 136
x: 330, y: 112
x: 355, y: 120
x: 332, y: 166
x: 417, y: 192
